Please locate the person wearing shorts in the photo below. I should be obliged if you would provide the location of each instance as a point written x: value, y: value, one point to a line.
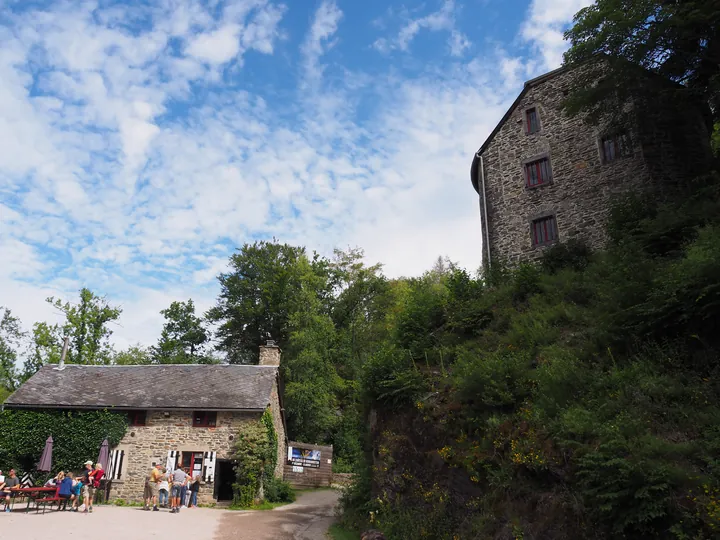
x: 88, y: 488
x: 155, y: 479
x: 178, y: 480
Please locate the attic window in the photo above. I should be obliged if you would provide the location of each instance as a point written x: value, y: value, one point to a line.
x: 137, y: 418
x: 532, y: 121
x: 204, y: 418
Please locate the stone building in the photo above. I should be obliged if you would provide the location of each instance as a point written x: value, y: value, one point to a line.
x: 178, y: 414
x: 543, y: 176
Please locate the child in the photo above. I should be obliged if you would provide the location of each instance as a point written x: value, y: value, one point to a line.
x: 75, y: 492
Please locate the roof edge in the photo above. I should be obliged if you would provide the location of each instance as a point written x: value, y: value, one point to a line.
x: 7, y: 405
x: 528, y: 84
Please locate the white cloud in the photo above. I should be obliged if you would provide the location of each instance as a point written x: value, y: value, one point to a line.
x: 544, y: 27
x: 216, y: 47
x: 118, y: 174
x: 441, y: 20
x: 319, y: 39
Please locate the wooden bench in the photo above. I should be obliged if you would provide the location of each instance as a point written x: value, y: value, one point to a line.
x: 50, y: 500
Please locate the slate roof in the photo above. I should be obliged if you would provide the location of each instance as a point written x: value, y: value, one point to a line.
x: 212, y: 387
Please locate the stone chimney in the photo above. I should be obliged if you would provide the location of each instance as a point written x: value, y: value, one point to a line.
x: 270, y: 354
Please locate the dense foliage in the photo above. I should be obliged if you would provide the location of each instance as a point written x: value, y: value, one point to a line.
x: 77, y: 437
x: 256, y: 455
x: 575, y: 398
x: 676, y: 41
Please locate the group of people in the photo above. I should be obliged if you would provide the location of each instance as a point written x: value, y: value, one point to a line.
x: 68, y: 486
x: 176, y: 488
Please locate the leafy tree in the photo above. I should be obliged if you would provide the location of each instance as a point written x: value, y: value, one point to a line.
x: 134, y: 355
x: 87, y: 325
x: 45, y: 349
x: 184, y: 336
x: 677, y: 40
x: 11, y: 335
x: 260, y: 293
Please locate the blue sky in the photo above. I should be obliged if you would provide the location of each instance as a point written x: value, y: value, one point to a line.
x: 142, y: 142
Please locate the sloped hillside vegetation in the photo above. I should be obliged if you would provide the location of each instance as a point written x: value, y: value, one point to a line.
x: 575, y: 398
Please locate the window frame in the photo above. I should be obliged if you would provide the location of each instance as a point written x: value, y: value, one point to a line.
x: 526, y: 122
x: 622, y: 143
x: 545, y: 217
x: 133, y: 417
x: 537, y: 160
x: 207, y: 421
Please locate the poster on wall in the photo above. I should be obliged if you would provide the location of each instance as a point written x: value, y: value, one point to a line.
x: 301, y: 457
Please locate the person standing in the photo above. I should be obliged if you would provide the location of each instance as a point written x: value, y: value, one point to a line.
x: 155, y: 478
x: 88, y: 490
x: 194, y: 489
x: 163, y: 489
x: 178, y: 481
x: 95, y: 478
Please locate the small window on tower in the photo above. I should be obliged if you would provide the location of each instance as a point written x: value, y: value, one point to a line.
x: 615, y: 147
x: 538, y: 173
x: 544, y: 231
x: 532, y: 121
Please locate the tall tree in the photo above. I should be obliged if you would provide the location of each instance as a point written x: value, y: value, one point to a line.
x: 45, y: 349
x: 132, y: 356
x: 260, y: 293
x: 11, y: 336
x: 184, y: 336
x: 87, y: 326
x: 679, y: 40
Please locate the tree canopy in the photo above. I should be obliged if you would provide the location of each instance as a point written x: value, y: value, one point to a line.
x: 675, y: 40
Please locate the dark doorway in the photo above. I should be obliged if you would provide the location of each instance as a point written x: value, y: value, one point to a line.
x: 224, y: 478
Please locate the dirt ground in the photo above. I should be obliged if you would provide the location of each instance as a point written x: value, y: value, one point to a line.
x: 306, y: 519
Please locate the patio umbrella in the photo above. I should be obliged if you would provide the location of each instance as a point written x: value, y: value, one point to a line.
x: 104, y: 455
x: 45, y: 463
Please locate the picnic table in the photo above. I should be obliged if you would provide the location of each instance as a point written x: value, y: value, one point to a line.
x: 30, y: 493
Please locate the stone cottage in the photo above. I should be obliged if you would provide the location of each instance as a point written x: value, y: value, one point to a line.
x: 543, y: 176
x: 178, y: 414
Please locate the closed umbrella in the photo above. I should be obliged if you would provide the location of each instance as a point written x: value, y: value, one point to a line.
x: 45, y: 463
x: 104, y: 455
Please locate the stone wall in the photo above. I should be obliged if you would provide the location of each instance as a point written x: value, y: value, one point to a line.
x: 165, y: 431
x: 582, y: 188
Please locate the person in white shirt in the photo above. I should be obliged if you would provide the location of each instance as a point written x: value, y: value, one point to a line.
x: 164, y: 489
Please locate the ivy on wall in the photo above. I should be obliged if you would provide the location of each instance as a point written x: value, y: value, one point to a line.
x: 256, y: 453
x: 77, y: 437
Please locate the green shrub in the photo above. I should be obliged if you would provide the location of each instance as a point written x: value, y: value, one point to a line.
x: 391, y: 377
x: 277, y: 490
x: 573, y: 254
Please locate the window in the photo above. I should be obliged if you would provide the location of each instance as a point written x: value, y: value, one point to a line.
x: 192, y: 462
x: 544, y: 231
x: 137, y: 418
x: 204, y: 418
x: 615, y: 147
x: 538, y: 172
x: 532, y: 121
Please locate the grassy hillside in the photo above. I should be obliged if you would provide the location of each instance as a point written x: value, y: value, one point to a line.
x: 576, y: 398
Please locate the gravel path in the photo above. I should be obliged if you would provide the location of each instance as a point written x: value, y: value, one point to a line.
x: 306, y: 519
